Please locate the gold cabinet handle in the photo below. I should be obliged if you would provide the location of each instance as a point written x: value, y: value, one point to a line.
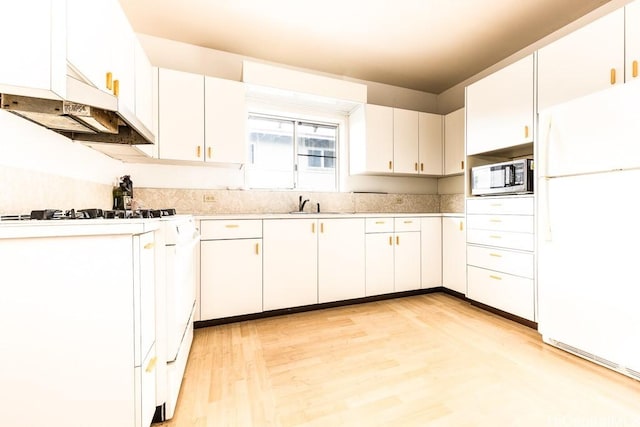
x: 397, y: 240
x: 495, y: 255
x: 232, y: 226
x: 109, y: 80
x: 209, y: 152
x: 634, y: 69
x: 322, y: 227
x: 116, y: 88
x: 461, y: 226
x: 149, y: 245
x: 416, y: 166
x: 495, y: 220
x: 257, y: 248
x: 526, y: 131
x: 390, y: 241
x: 198, y: 151
x: 390, y: 165
x: 408, y: 222
x: 493, y: 236
x: 313, y: 227
x: 152, y: 364
x: 613, y: 76
x: 462, y: 164
x: 379, y: 222
x: 495, y: 277
x: 421, y: 167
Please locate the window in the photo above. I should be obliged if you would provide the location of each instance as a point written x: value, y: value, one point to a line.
x: 290, y: 153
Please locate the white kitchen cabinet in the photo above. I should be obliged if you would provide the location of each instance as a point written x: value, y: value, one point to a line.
x: 290, y: 269
x: 431, y: 252
x: 430, y: 144
x: 101, y: 41
x: 371, y: 140
x: 143, y: 86
x: 500, y: 108
x: 500, y: 257
x: 231, y: 268
x: 405, y: 141
x: 632, y: 41
x: 454, y: 262
x: 76, y: 329
x: 180, y: 115
x: 392, y: 255
x: 38, y: 61
x: 341, y: 259
x: 454, y: 142
x: 589, y: 59
x: 225, y: 118
x: 379, y: 263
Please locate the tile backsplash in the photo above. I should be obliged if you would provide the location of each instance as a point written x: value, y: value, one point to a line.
x: 203, y: 202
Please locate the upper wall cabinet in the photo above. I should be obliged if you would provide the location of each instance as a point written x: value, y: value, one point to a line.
x: 585, y: 61
x: 100, y: 47
x: 632, y: 41
x: 225, y: 118
x: 500, y: 108
x: 201, y: 119
x: 387, y: 141
x: 371, y: 140
x: 454, y: 142
x: 38, y: 61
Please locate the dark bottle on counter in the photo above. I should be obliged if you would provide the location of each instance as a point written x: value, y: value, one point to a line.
x: 123, y: 193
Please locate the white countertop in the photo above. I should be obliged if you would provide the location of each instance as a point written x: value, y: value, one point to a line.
x: 80, y: 227
x: 320, y: 215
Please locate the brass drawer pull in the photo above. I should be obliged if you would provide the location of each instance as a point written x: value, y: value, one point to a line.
x: 496, y: 255
x: 257, y: 248
x: 380, y: 222
x: 149, y: 245
x: 232, y: 226
x: 495, y: 277
x: 152, y: 364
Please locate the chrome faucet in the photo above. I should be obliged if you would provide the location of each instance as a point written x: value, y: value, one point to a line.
x: 301, y: 204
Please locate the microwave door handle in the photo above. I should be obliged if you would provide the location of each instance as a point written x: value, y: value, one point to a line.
x: 507, y: 176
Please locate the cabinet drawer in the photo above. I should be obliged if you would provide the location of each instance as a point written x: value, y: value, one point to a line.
x: 516, y: 263
x: 379, y: 225
x: 406, y: 224
x: 500, y: 205
x: 230, y: 229
x: 502, y: 239
x: 518, y: 223
x: 505, y: 292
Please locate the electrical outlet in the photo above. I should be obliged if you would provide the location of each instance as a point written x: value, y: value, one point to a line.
x: 209, y: 198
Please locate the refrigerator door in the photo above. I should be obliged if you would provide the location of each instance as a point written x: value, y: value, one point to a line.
x: 595, y: 133
x: 588, y: 269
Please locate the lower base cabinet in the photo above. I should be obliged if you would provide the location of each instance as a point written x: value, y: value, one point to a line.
x: 379, y: 263
x: 431, y: 252
x: 290, y: 273
x: 230, y: 268
x: 454, y: 258
x: 506, y: 292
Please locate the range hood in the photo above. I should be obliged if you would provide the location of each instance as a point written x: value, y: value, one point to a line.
x: 87, y: 115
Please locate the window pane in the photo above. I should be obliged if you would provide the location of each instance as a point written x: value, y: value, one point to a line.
x: 316, y: 156
x: 270, y: 153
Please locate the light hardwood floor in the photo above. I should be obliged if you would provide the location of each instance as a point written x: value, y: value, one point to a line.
x: 428, y: 360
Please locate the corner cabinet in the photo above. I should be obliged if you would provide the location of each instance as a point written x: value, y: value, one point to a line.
x: 371, y: 140
x: 500, y: 108
x: 454, y: 143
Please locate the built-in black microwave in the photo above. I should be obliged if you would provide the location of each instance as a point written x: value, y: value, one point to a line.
x: 512, y: 177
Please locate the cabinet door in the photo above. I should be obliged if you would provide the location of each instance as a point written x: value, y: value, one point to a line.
x: 144, y: 295
x: 122, y: 49
x: 180, y: 115
x: 379, y: 263
x: 143, y: 86
x: 431, y: 252
x: 371, y: 140
x: 500, y: 108
x: 290, y: 263
x: 225, y: 118
x: 454, y: 142
x: 38, y: 61
x: 341, y: 259
x: 567, y: 69
x: 230, y: 277
x: 405, y: 141
x: 430, y: 144
x: 632, y: 41
x: 407, y: 261
x: 454, y: 258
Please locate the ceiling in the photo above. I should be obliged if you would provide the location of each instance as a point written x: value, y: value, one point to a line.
x: 427, y: 45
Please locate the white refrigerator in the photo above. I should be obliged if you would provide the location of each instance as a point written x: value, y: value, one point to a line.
x: 588, y: 214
